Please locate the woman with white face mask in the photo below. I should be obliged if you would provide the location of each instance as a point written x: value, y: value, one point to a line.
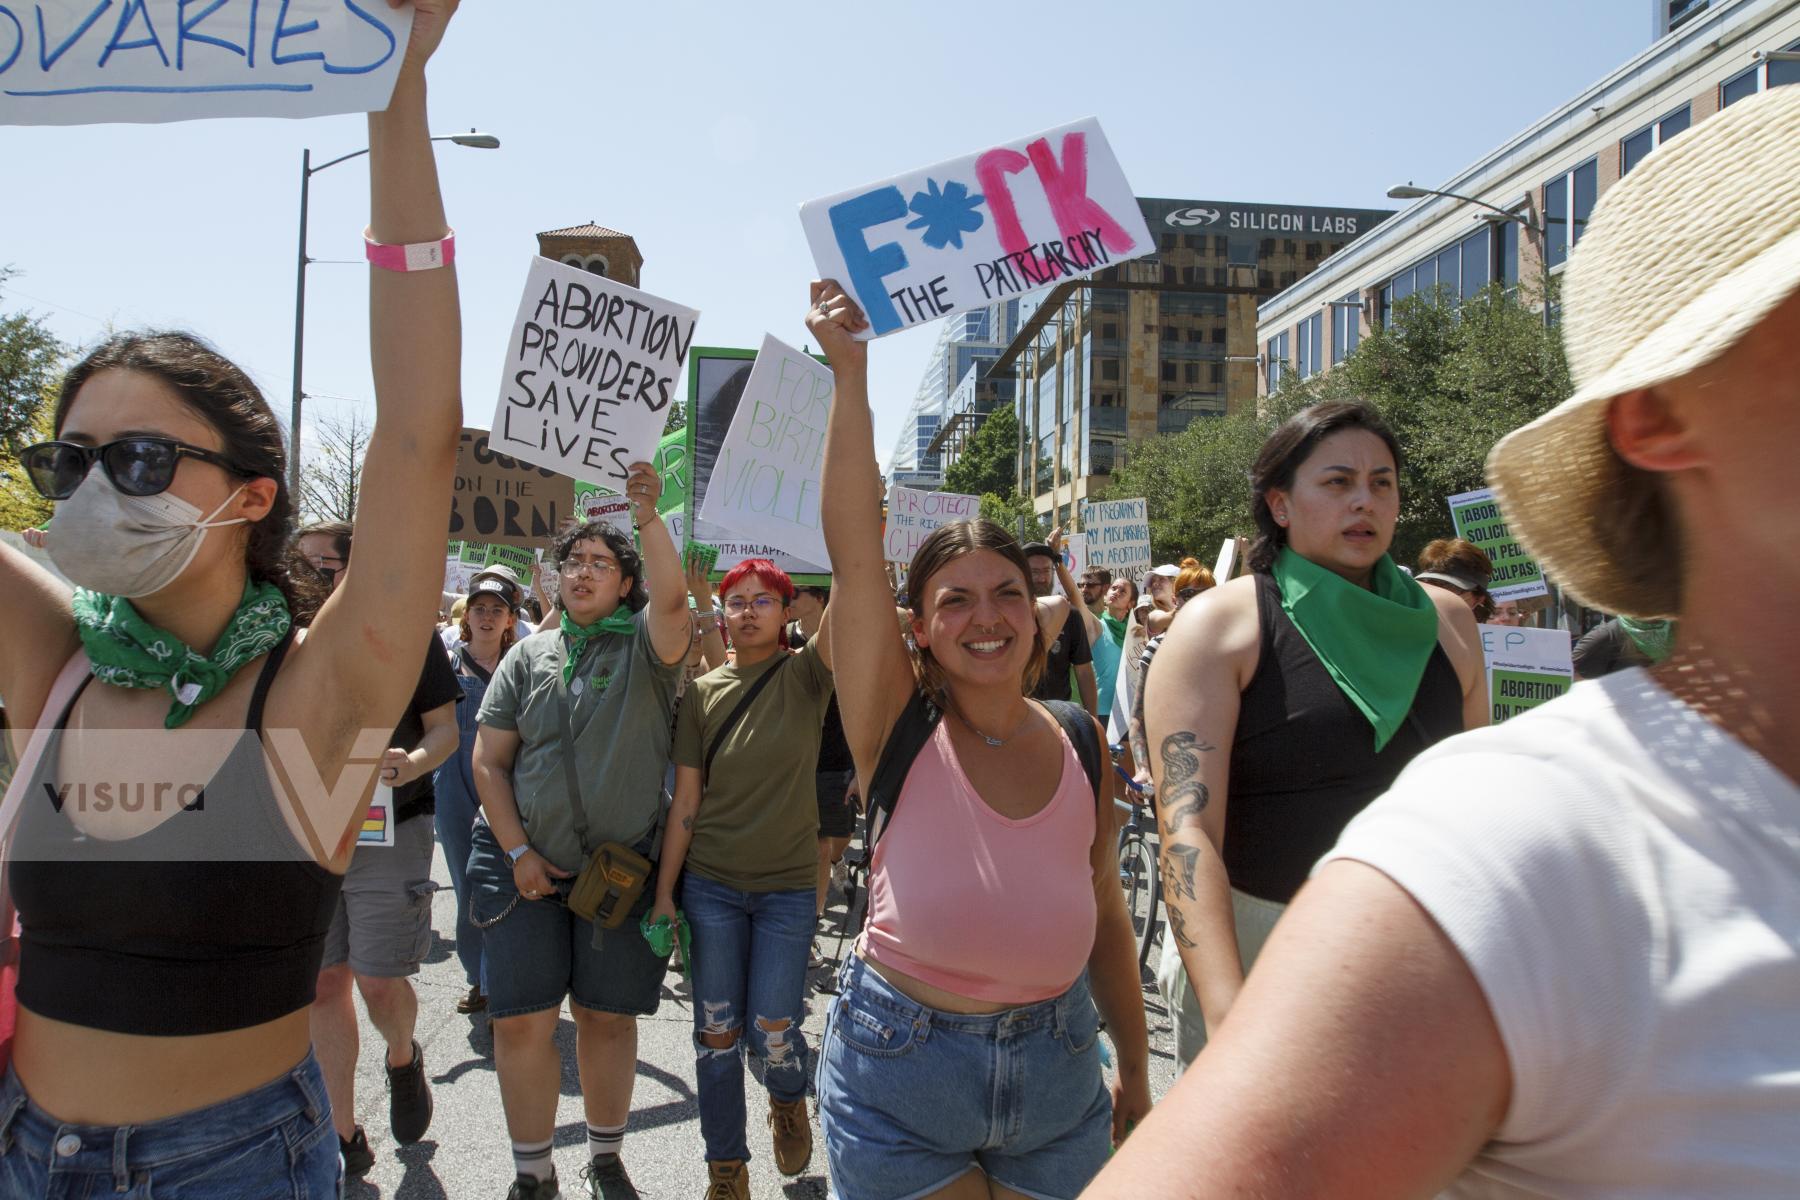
x: 174, y: 897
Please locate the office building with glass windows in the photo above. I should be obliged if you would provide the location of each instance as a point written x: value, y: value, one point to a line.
x: 1148, y: 346
x: 942, y: 417
x: 1515, y: 214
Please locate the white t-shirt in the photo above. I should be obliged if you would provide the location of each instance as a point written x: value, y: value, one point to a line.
x: 1623, y: 879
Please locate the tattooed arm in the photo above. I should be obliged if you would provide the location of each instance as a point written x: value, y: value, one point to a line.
x: 1191, y: 706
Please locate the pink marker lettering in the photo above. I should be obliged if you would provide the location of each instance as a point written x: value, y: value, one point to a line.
x: 1065, y: 187
x: 992, y: 169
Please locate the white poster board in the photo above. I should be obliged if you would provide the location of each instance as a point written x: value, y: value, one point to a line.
x: 1075, y: 557
x: 913, y: 515
x: 975, y: 230
x: 1118, y: 536
x: 83, y: 62
x: 1525, y: 667
x: 1227, y: 560
x: 765, y: 480
x: 591, y: 369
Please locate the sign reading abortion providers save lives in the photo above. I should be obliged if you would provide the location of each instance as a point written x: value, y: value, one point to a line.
x: 1118, y: 536
x: 591, y: 368
x: 1526, y: 667
x: 912, y: 516
x: 82, y: 62
x: 980, y: 228
x: 1478, y: 519
x: 765, y: 480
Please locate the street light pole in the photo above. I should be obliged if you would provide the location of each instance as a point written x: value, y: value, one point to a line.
x: 1409, y: 191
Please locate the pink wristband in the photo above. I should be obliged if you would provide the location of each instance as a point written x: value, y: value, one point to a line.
x: 420, y: 256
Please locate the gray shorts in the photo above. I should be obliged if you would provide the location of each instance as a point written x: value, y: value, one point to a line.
x: 383, y: 922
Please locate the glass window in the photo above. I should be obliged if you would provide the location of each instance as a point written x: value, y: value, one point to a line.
x: 1676, y: 122
x: 1785, y: 72
x: 1425, y: 278
x: 1109, y: 368
x: 1587, y: 190
x: 1312, y: 345
x: 1221, y: 244
x: 1506, y: 254
x: 1403, y: 286
x: 1385, y: 306
x: 1346, y: 328
x: 1556, y: 219
x: 1475, y: 257
x: 1449, y: 271
x: 1739, y: 86
x: 1191, y: 372
x: 1109, y: 330
x: 1634, y: 148
x: 1168, y: 372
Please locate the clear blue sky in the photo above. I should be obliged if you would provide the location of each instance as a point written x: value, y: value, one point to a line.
x: 700, y: 128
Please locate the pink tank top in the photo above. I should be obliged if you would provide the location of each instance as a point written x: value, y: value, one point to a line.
x: 976, y: 904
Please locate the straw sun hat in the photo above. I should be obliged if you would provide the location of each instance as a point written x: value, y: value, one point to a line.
x: 1683, y: 257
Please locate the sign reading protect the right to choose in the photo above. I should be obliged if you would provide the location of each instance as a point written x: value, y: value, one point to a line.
x: 1478, y: 519
x: 1526, y: 667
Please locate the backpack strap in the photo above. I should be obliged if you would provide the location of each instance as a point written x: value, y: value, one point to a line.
x: 1078, y: 727
x: 918, y: 721
x: 737, y: 714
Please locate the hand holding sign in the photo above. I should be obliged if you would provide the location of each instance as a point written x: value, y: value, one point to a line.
x: 643, y: 485
x: 430, y: 17
x: 835, y: 319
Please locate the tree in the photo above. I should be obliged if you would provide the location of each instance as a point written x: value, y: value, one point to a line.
x: 331, y: 479
x: 21, y: 507
x: 990, y: 458
x: 677, y: 419
x: 30, y: 367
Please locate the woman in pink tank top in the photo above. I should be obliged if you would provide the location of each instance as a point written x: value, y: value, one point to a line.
x: 961, y: 1056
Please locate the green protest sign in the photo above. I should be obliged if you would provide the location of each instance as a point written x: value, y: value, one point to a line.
x: 1525, y: 667
x: 1478, y: 519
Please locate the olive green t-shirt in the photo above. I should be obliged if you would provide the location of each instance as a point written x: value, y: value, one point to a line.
x: 758, y: 825
x: 620, y: 701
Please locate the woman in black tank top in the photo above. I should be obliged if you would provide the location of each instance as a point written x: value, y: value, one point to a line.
x: 1300, y: 693
x: 180, y: 825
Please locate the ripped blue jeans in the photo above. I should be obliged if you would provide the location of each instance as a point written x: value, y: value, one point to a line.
x: 750, y: 952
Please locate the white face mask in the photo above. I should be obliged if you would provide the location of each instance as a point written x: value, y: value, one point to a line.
x: 129, y: 546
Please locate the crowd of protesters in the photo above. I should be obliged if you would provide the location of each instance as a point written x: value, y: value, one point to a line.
x: 1406, y: 953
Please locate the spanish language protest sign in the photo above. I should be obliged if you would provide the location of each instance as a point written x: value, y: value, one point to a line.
x: 1478, y: 519
x: 591, y: 368
x: 1526, y: 667
x: 497, y: 498
x: 82, y: 62
x: 980, y: 228
x: 912, y: 515
x: 765, y: 480
x: 1118, y: 536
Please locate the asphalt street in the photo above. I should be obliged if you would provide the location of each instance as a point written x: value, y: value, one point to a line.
x: 467, y: 1154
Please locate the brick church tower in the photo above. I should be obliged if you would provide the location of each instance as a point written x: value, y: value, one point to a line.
x: 594, y: 248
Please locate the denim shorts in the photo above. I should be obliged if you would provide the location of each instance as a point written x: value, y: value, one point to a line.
x: 911, y: 1098
x: 274, y: 1143
x: 536, y: 951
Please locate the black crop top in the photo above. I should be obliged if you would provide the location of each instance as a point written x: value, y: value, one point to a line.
x: 213, y: 920
x: 1303, y: 761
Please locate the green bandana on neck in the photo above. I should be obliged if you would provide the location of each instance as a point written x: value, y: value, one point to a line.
x: 128, y: 651
x: 623, y: 620
x: 1655, y: 639
x: 1374, y: 641
x: 1114, y: 626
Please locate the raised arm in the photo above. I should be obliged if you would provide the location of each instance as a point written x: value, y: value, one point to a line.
x: 36, y: 639
x: 671, y: 628
x: 706, y: 617
x: 870, y: 661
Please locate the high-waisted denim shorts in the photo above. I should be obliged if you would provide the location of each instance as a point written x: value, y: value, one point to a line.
x: 911, y: 1097
x: 274, y: 1143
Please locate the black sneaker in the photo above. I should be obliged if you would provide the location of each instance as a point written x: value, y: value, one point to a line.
x: 606, y: 1179
x: 409, y: 1099
x: 526, y: 1187
x: 358, y: 1158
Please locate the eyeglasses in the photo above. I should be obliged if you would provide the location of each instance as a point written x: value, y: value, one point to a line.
x: 137, y: 466
x: 737, y: 606
x: 599, y: 568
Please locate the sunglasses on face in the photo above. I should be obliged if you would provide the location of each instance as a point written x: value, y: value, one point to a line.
x: 137, y: 466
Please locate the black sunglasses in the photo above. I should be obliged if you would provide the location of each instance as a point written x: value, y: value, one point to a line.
x: 137, y: 466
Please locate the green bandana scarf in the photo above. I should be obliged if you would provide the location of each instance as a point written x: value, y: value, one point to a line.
x: 623, y: 620
x: 1655, y: 639
x: 1114, y: 626
x: 127, y: 651
x: 1374, y: 641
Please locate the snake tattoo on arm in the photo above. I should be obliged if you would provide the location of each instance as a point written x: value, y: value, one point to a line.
x: 1184, y: 797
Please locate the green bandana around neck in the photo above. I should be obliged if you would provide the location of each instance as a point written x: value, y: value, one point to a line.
x: 622, y: 620
x: 1374, y: 641
x: 1654, y: 639
x: 1115, y: 626
x: 127, y: 651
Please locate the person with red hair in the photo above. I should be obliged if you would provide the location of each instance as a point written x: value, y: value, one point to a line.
x: 744, y: 825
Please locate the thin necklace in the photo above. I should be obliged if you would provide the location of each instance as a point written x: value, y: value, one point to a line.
x: 994, y: 741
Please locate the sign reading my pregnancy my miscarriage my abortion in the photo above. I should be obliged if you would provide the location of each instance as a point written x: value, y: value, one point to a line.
x: 83, y: 62
x: 978, y: 229
x: 591, y: 369
x: 765, y: 480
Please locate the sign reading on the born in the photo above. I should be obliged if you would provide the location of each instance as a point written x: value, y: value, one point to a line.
x: 765, y: 480
x: 1526, y: 667
x: 81, y: 62
x: 1478, y: 519
x: 591, y: 368
x: 1118, y: 536
x: 912, y: 515
x: 977, y: 229
x: 500, y: 499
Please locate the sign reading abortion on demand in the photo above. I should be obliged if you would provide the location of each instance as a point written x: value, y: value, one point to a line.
x: 1526, y: 667
x: 591, y: 368
x: 913, y: 515
x: 82, y: 62
x: 976, y: 229
x: 1118, y: 536
x: 765, y: 480
x: 1478, y: 519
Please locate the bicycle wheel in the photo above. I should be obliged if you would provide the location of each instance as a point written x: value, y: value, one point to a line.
x: 1138, y: 876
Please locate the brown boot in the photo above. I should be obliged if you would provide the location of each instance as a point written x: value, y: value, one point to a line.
x: 792, y: 1134
x: 727, y: 1181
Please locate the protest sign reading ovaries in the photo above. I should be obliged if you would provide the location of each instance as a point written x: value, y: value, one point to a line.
x: 1118, y: 536
x: 78, y: 62
x: 980, y: 228
x: 765, y: 480
x: 591, y: 368
x: 913, y: 515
